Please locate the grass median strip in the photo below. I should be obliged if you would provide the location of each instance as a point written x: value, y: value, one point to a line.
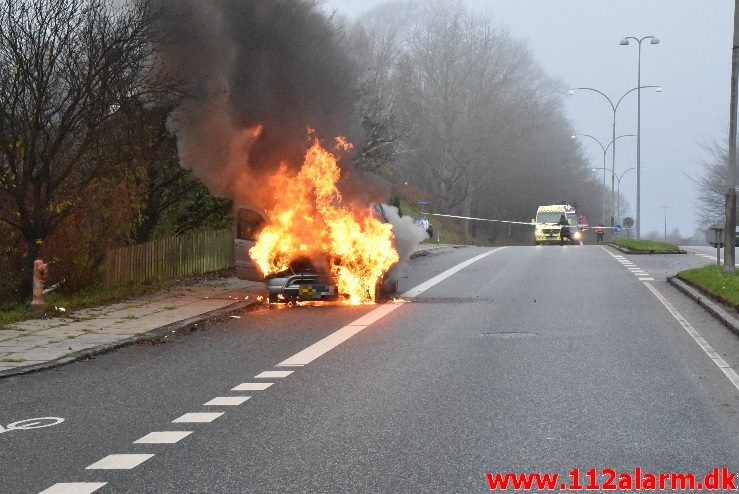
x: 714, y: 281
x: 647, y: 246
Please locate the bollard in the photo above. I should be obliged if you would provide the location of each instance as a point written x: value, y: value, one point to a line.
x: 40, y: 273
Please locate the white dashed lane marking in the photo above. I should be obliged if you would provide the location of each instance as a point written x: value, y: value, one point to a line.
x: 192, y: 418
x: 74, y: 488
x: 711, y: 257
x: 227, y: 401
x: 163, y: 437
x: 633, y: 268
x: 273, y: 374
x: 251, y: 387
x: 119, y: 462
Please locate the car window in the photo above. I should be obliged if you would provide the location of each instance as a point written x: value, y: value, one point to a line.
x: 248, y: 223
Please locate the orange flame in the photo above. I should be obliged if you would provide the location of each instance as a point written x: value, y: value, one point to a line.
x: 308, y: 220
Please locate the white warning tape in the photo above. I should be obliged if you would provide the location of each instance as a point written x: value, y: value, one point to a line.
x: 501, y: 221
x: 481, y: 219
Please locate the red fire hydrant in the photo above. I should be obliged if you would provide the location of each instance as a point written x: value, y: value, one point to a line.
x: 40, y: 273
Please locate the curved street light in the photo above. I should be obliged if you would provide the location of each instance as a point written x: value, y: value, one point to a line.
x: 605, y: 152
x: 614, y: 108
x: 618, y: 194
x: 653, y: 40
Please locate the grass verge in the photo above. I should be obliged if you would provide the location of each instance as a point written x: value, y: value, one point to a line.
x: 714, y: 281
x: 98, y: 294
x: 647, y: 246
x: 91, y: 296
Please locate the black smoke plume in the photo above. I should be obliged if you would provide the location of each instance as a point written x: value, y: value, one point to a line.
x: 255, y: 75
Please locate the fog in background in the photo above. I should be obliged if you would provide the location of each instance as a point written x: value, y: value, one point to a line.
x: 577, y: 41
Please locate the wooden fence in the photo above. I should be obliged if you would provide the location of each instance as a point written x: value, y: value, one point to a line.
x: 193, y: 253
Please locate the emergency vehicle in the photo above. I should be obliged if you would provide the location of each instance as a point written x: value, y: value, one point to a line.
x: 547, y: 225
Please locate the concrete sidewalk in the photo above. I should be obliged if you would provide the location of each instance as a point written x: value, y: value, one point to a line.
x: 42, y: 343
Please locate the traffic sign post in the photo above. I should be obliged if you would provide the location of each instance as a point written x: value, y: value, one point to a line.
x: 617, y: 228
x: 422, y: 203
x: 715, y: 238
x: 628, y: 223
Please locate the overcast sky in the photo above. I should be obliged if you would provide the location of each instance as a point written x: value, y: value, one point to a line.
x: 577, y: 41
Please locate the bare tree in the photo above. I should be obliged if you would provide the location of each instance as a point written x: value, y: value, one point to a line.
x: 66, y: 66
x: 376, y: 56
x: 481, y: 126
x: 712, y: 185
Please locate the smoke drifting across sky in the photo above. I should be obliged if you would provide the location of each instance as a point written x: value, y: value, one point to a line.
x: 274, y: 65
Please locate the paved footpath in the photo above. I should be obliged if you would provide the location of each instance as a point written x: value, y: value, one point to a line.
x: 42, y: 342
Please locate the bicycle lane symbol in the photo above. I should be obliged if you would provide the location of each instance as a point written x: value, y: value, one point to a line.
x: 35, y: 423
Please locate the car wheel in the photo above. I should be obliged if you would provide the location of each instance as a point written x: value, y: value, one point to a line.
x: 272, y: 297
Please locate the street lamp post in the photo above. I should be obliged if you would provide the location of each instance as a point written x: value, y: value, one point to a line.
x: 614, y: 108
x: 665, y: 208
x: 605, y: 152
x: 652, y: 40
x: 618, y: 194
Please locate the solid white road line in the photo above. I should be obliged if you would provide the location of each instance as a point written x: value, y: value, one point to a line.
x: 333, y: 340
x: 338, y: 337
x: 73, y: 488
x: 720, y: 362
x: 192, y: 418
x: 646, y: 279
x: 251, y: 387
x: 119, y: 462
x: 227, y: 401
x: 270, y: 374
x: 446, y: 274
x: 163, y: 437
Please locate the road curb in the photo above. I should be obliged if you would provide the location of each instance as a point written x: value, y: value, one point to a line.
x: 179, y: 327
x: 642, y: 252
x: 713, y: 308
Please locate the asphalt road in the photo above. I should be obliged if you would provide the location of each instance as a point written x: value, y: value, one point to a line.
x: 707, y: 252
x: 529, y: 359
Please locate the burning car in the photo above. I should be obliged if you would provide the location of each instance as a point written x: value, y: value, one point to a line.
x: 305, y: 279
x: 301, y: 282
x: 349, y: 247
